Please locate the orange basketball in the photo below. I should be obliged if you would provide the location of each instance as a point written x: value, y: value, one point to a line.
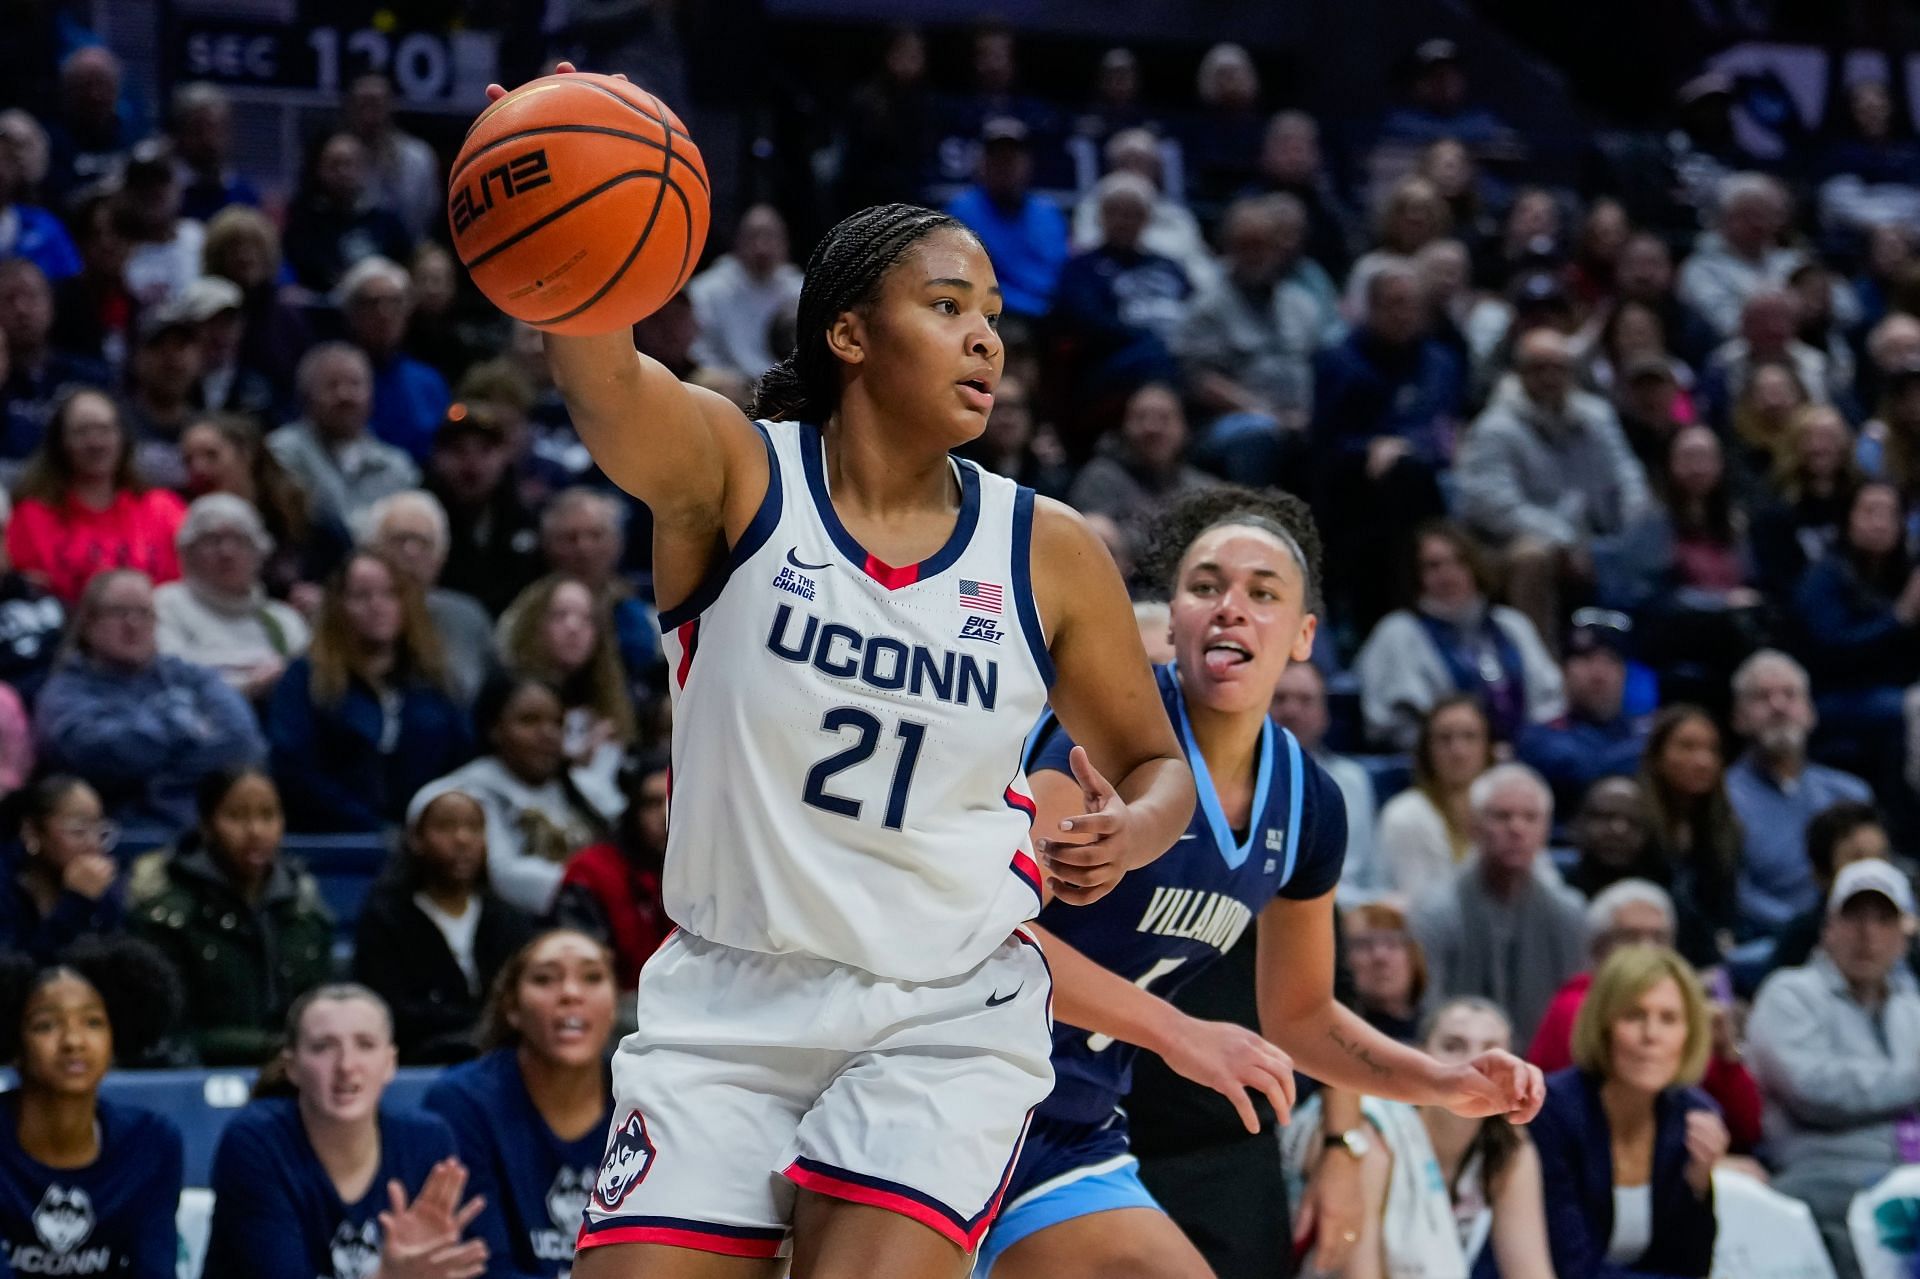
x: 579, y: 203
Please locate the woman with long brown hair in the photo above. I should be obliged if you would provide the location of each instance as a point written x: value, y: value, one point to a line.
x: 1694, y: 827
x: 530, y: 1115
x: 1427, y: 829
x: 224, y: 453
x: 364, y: 719
x: 559, y: 633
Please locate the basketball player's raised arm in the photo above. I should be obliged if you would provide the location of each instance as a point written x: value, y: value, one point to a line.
x: 1136, y: 788
x: 1334, y: 1045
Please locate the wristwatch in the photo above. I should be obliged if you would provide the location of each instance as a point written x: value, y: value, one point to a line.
x: 1354, y: 1141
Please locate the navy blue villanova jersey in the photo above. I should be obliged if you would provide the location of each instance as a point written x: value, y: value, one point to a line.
x: 1166, y: 922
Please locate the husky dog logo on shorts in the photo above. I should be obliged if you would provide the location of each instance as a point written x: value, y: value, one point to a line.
x: 64, y: 1218
x: 628, y: 1158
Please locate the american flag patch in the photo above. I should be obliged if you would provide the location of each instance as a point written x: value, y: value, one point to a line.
x: 984, y: 596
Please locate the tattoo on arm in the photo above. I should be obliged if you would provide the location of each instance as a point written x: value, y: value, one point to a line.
x: 1359, y: 1052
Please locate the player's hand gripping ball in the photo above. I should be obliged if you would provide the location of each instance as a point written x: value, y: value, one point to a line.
x: 578, y: 203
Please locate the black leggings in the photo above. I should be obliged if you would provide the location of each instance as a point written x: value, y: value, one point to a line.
x: 1231, y: 1200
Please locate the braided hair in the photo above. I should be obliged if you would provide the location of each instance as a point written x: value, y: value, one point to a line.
x: 1280, y: 514
x: 843, y: 274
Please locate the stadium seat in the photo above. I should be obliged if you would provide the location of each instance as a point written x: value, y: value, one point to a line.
x: 345, y: 867
x: 1390, y: 774
x: 1764, y: 1234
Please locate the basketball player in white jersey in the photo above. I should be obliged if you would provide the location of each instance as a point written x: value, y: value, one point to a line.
x: 838, y: 1053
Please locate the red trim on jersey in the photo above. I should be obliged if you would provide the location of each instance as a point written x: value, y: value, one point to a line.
x: 1025, y: 867
x: 689, y: 633
x: 1023, y: 802
x: 680, y: 1237
x: 887, y: 575
x: 837, y: 1186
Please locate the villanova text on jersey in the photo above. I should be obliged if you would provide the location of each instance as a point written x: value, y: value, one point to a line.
x: 1166, y: 922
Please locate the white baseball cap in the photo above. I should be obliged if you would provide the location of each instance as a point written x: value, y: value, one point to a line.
x: 1870, y: 876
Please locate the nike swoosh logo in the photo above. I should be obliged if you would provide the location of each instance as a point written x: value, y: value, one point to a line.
x: 797, y: 562
x: 1189, y: 835
x: 996, y: 999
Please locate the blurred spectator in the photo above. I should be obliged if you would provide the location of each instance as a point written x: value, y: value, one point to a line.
x: 226, y: 385
x: 1024, y: 234
x: 1222, y: 140
x: 218, y: 614
x: 243, y: 247
x: 403, y: 174
x: 1115, y: 104
x: 1389, y: 969
x: 493, y: 538
x: 1857, y: 609
x: 225, y: 454
x: 68, y: 1157
x: 1768, y: 318
x: 531, y: 1115
x: 1763, y: 413
x: 1776, y: 790
x: 1248, y: 342
x: 1386, y: 404
x: 1468, y: 196
x: 91, y: 135
x: 93, y: 313
x: 1596, y: 737
x: 200, y: 120
x: 1597, y: 247
x: 1497, y: 927
x: 1650, y: 401
x: 364, y: 720
x: 582, y: 536
x: 243, y: 924
x: 1813, y: 481
x: 1440, y: 1194
x: 888, y: 127
x: 1644, y: 274
x: 1454, y: 640
x: 1834, y: 1045
x: 164, y: 249
x: 1300, y: 707
x: 65, y: 885
x: 32, y: 623
x: 1409, y: 216
x: 1291, y: 164
x: 410, y: 529
x: 22, y: 134
x: 1846, y: 833
x: 611, y: 890
x: 409, y: 397
x: 1012, y: 445
x: 81, y: 507
x: 1695, y: 829
x: 446, y: 329
x: 1883, y: 279
x: 560, y: 633
x: 1890, y: 443
x: 1427, y: 830
x: 432, y: 935
x: 1627, y: 1143
x: 336, y: 219
x: 1139, y: 470
x: 1532, y: 239
x: 141, y: 726
x: 1822, y: 326
x: 1868, y: 170
x: 1633, y: 335
x: 168, y: 359
x: 538, y: 816
x: 1742, y: 255
x: 279, y: 1209
x: 1612, y: 834
x: 1120, y: 306
x: 1546, y: 475
x: 330, y: 451
x: 28, y: 231
x: 1439, y: 105
x: 669, y: 335
x: 1685, y: 564
x: 1169, y: 229
x: 38, y: 373
x: 737, y: 299
x: 1473, y: 325
x: 993, y: 93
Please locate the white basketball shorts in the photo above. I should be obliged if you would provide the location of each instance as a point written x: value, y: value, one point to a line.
x: 753, y: 1076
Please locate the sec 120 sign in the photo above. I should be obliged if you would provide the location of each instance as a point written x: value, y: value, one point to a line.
x: 427, y: 68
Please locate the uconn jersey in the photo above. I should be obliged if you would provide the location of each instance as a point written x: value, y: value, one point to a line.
x: 1167, y: 921
x: 847, y: 734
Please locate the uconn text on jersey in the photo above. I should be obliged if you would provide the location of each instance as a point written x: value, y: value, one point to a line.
x: 882, y: 662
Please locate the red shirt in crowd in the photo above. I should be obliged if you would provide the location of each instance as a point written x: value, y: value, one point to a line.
x: 65, y: 546
x: 630, y: 900
x: 1727, y: 1082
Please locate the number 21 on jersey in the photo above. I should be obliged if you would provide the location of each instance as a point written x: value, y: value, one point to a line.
x: 867, y: 728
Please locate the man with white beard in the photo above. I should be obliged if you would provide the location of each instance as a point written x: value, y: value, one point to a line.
x: 1777, y: 790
